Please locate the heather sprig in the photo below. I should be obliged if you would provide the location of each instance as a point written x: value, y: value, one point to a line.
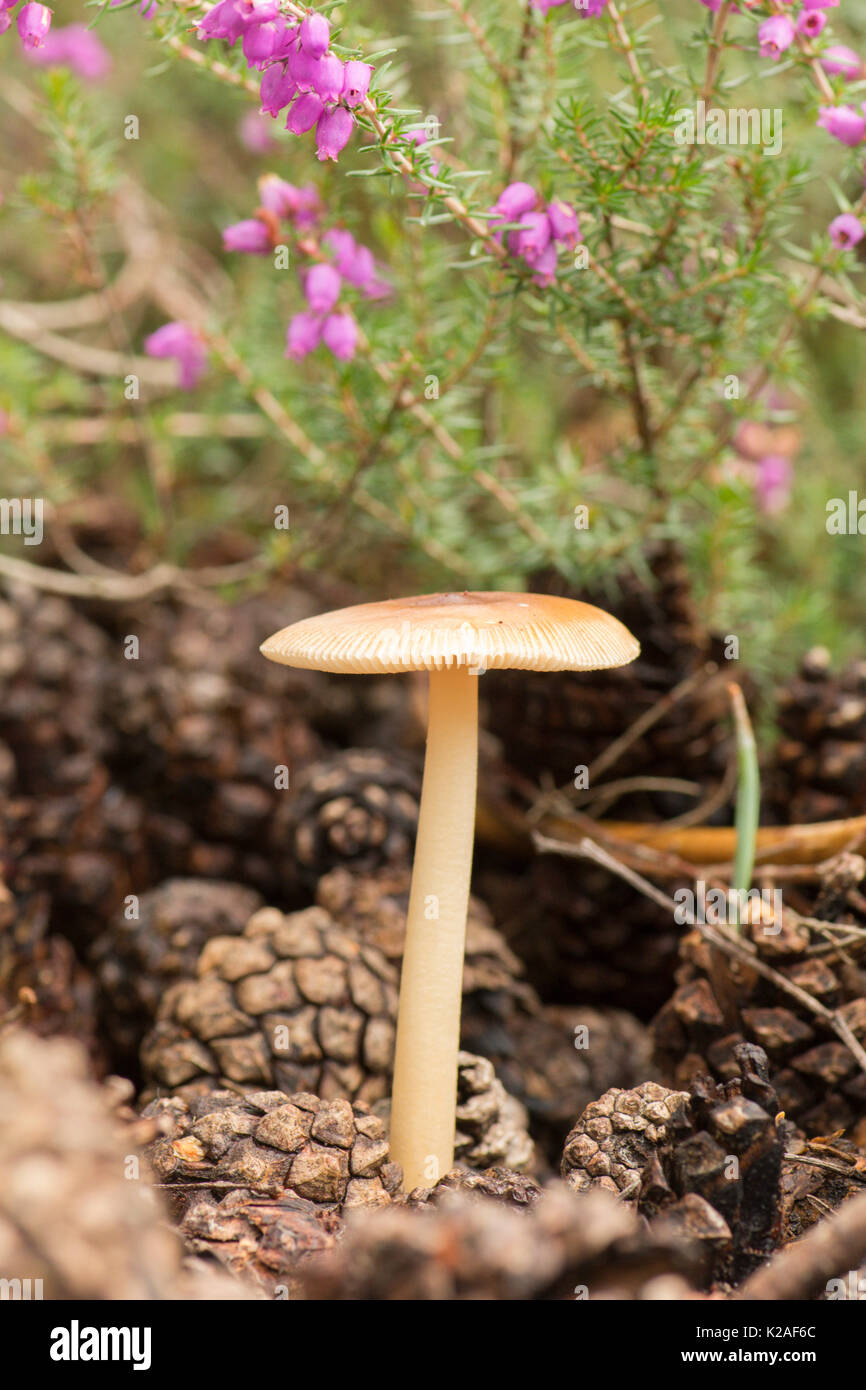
x: 584, y: 227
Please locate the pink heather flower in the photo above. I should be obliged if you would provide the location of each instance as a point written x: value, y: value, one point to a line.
x: 531, y: 239
x: 333, y: 131
x: 589, y: 8
x: 811, y: 23
x: 181, y: 341
x: 841, y: 59
x: 303, y: 68
x: 288, y: 43
x: 309, y: 207
x: 278, y: 196
x: 775, y: 35
x: 222, y: 21
x: 322, y: 288
x: 514, y: 200
x: 8, y: 4
x: 846, y: 231
x: 544, y: 266
x: 328, y: 77
x: 254, y: 133
x: 564, y: 225
x: 250, y: 236
x: 277, y: 90
x: 356, y: 81
x: 303, y: 336
x: 261, y: 41
x: 304, y: 113
x: 773, y: 483
x: 5, y: 21
x: 315, y: 34
x: 354, y: 262
x: 75, y: 47
x: 256, y: 11
x: 844, y: 123
x: 819, y: 4
x: 340, y: 334
x: 34, y: 21
x: 545, y: 5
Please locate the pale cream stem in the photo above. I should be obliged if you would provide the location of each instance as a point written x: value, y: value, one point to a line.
x: 431, y: 987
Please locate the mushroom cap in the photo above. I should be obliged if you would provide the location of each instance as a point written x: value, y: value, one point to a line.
x: 435, y: 632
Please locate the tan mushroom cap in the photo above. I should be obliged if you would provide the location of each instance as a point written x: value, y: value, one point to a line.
x: 435, y: 632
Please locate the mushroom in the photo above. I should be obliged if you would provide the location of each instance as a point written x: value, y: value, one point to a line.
x: 455, y: 637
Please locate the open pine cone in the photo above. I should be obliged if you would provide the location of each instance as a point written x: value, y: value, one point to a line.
x: 719, y: 1004
x: 707, y: 1164
x: 294, y: 1003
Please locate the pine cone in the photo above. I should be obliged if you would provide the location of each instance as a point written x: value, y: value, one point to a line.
x: 67, y: 832
x: 137, y: 958
x: 706, y: 1165
x: 357, y: 808
x: 556, y: 1060
x: 582, y: 934
x: 262, y: 1240
x: 373, y: 907
x: 330, y: 1153
x: 294, y: 1003
x: 613, y: 1143
x: 491, y: 1125
x: 467, y: 1248
x: 43, y: 985
x: 719, y: 1004
x: 818, y: 771
x: 68, y: 1214
x: 488, y: 1184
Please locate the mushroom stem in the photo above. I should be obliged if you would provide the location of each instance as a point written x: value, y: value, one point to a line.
x: 431, y: 987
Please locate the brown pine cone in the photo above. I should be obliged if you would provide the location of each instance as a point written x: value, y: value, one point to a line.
x: 614, y: 1141
x: 584, y: 935
x: 537, y: 1052
x: 294, y: 1003
x: 68, y: 833
x: 486, y: 1184
x: 373, y: 907
x: 707, y: 1165
x: 357, y: 808
x: 137, y: 958
x: 262, y: 1240
x: 556, y: 1060
x: 331, y: 1153
x: 818, y: 769
x: 564, y: 1246
x: 491, y: 1124
x: 719, y: 1003
x: 43, y: 985
x: 69, y: 1215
